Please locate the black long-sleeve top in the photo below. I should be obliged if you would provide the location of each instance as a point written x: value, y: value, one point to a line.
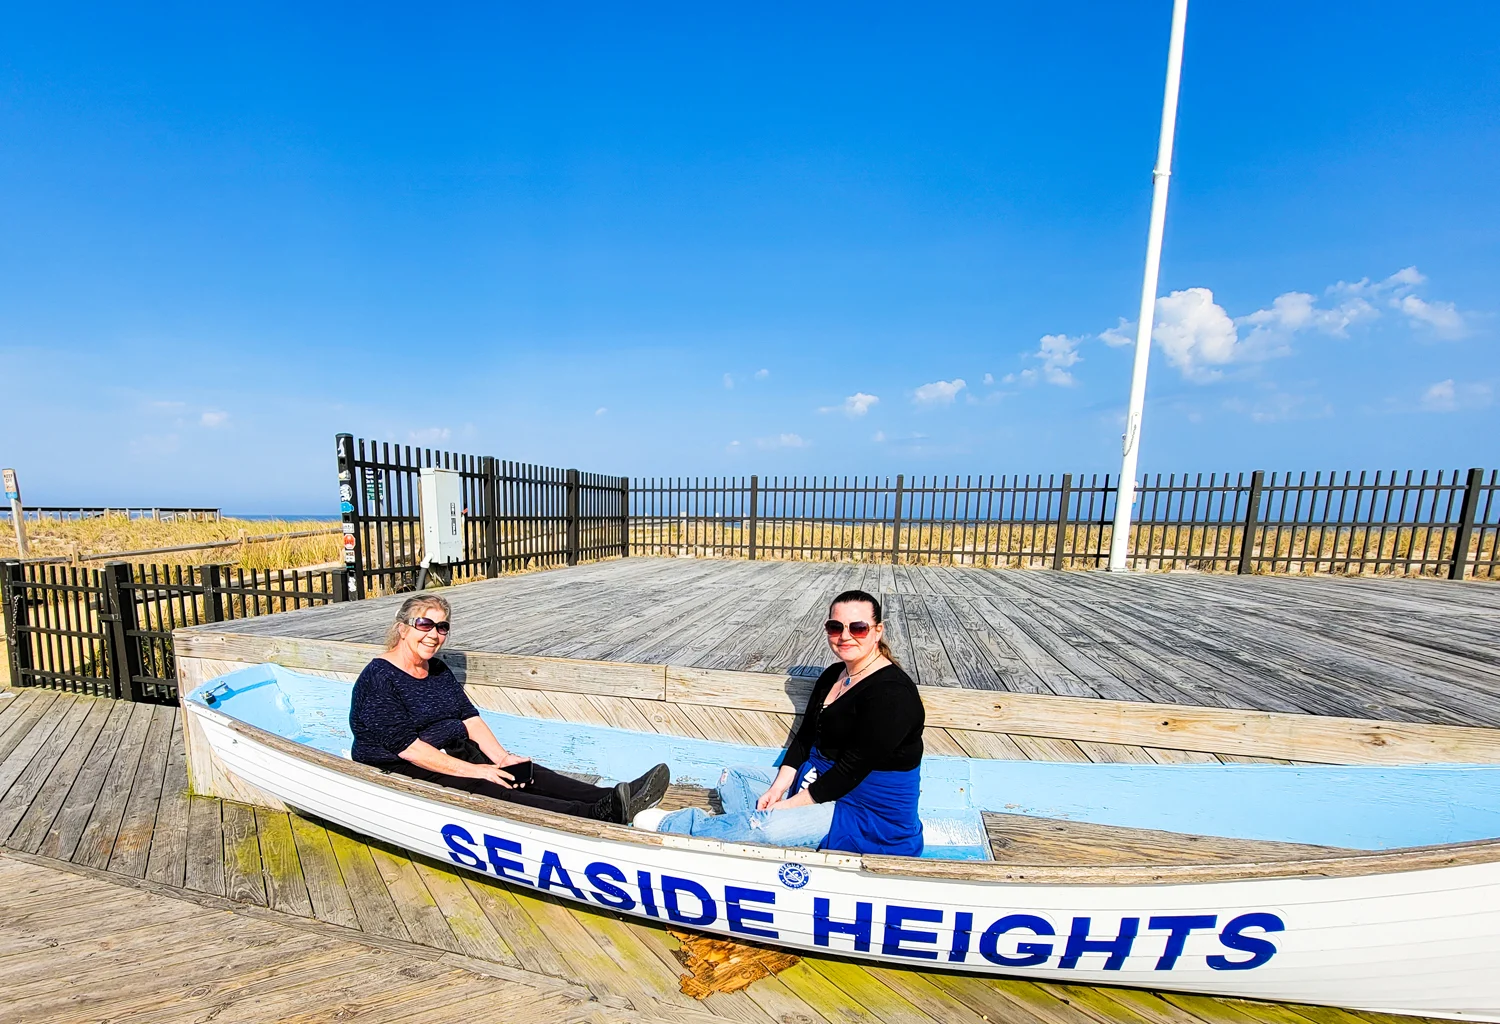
x: 875, y: 727
x: 390, y: 710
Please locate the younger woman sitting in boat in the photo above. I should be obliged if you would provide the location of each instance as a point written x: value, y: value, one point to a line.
x: 410, y: 715
x: 851, y: 777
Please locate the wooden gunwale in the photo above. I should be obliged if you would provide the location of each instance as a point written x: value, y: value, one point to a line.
x: 1484, y: 851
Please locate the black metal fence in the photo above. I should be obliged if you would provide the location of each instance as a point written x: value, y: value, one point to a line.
x: 108, y: 632
x: 516, y: 516
x: 1430, y: 523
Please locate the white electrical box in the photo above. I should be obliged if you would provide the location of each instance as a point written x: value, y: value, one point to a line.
x: 442, y: 516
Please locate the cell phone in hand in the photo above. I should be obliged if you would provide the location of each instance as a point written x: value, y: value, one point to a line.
x: 521, y: 772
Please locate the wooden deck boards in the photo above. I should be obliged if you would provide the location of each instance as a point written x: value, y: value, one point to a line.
x: 236, y: 913
x: 1410, y: 650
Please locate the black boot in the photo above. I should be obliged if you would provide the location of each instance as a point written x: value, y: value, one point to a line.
x: 647, y: 791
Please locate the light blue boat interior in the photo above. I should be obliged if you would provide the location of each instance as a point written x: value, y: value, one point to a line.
x: 1359, y: 807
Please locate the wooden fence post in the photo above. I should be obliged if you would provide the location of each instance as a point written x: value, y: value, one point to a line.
x: 119, y: 612
x: 1059, y: 549
x: 1472, y: 487
x: 1252, y: 523
x: 13, y: 596
x: 896, y: 521
x: 354, y: 556
x: 754, y: 511
x: 213, y: 594
x: 572, y: 513
x: 624, y: 517
x: 491, y: 517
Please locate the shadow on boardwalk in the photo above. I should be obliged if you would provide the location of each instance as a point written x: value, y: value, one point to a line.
x: 307, y: 922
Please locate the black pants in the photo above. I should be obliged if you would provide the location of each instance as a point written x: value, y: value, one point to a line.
x: 550, y: 790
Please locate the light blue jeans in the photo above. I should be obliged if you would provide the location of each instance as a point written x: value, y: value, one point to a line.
x: 739, y: 788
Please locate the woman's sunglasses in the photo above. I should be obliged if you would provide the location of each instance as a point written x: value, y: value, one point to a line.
x: 858, y: 630
x: 422, y: 624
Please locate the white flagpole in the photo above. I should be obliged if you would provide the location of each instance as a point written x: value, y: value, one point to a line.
x: 1119, y: 541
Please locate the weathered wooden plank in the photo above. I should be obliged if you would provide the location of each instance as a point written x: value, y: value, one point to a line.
x: 37, y: 739
x: 204, y: 867
x: 526, y: 939
x: 33, y: 777
x: 98, y: 838
x: 424, y: 921
x: 168, y: 858
x: 244, y: 878
x: 1022, y: 839
x: 472, y: 929
x: 367, y: 890
x: 286, y: 890
x: 132, y: 844
x: 326, y: 894
x: 103, y: 726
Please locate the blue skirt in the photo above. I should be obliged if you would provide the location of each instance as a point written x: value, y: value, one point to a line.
x: 877, y: 816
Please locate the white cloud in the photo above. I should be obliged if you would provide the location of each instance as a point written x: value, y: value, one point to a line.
x: 429, y: 435
x: 1195, y: 334
x: 989, y: 379
x: 729, y: 381
x: 782, y: 441
x: 1058, y: 352
x: 1122, y: 333
x: 939, y: 392
x: 762, y: 374
x: 1273, y: 405
x: 878, y: 436
x: 854, y: 406
x: 601, y: 410
x: 213, y: 418
x: 1450, y: 396
x: 1442, y: 318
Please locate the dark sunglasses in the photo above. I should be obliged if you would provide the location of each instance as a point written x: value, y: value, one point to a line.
x: 422, y: 624
x: 858, y: 630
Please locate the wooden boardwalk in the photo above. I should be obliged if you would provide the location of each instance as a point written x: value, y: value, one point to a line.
x: 269, y: 916
x: 1406, y: 650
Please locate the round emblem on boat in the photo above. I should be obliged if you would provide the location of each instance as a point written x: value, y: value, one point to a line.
x: 794, y: 876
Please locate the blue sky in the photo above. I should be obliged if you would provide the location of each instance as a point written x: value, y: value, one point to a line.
x: 763, y: 238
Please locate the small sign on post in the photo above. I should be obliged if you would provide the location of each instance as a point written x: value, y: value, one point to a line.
x: 13, y: 495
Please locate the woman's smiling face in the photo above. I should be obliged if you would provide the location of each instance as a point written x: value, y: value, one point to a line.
x: 848, y: 648
x: 423, y: 644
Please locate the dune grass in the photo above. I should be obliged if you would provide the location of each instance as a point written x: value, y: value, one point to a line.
x: 78, y: 537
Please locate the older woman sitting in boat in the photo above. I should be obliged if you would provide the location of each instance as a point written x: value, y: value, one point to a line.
x: 410, y: 715
x: 851, y: 777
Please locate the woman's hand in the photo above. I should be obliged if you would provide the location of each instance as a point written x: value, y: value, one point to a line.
x: 510, y: 759
x: 802, y: 799
x: 490, y: 773
x: 783, y: 782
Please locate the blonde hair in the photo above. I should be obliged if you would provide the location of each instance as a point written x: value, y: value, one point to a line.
x: 410, y: 605
x: 858, y: 597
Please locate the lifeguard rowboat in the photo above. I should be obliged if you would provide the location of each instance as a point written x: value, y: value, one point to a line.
x: 1371, y: 887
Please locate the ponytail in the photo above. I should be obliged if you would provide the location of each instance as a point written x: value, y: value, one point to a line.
x: 887, y: 653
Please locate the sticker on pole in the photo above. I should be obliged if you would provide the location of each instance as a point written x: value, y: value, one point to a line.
x: 12, y: 486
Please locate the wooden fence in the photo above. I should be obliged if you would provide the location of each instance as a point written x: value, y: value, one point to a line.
x: 516, y: 516
x: 108, y: 632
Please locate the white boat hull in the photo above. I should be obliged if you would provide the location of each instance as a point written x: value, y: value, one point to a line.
x: 1421, y: 941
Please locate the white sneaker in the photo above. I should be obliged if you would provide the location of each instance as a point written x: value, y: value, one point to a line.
x: 649, y: 819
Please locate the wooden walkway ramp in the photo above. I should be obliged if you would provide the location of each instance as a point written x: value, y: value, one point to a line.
x: 99, y: 788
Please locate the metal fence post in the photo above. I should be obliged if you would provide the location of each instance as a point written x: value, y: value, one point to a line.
x: 119, y: 612
x: 1466, y: 515
x: 572, y: 513
x: 338, y: 585
x: 896, y: 521
x: 1063, y: 518
x: 1252, y: 523
x: 491, y: 517
x: 213, y: 594
x: 13, y: 596
x: 624, y: 517
x: 754, y: 511
x: 353, y: 551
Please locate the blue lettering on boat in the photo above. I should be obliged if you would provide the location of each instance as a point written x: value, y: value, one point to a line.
x: 1011, y: 940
